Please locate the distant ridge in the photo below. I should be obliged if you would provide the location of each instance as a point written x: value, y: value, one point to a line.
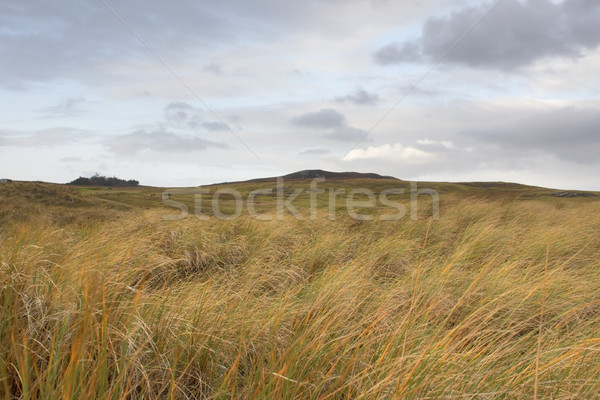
x: 317, y: 173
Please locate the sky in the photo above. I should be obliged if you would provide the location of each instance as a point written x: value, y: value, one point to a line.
x: 185, y: 93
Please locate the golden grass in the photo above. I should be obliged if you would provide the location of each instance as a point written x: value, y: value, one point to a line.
x: 135, y: 307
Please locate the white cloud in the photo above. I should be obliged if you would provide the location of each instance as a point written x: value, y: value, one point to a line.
x: 396, y: 151
x: 445, y: 143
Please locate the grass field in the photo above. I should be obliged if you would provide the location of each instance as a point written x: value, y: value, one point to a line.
x: 102, y: 298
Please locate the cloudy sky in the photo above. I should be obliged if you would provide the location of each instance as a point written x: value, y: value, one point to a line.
x: 190, y: 92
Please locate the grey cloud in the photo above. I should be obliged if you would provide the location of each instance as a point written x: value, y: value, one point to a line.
x: 179, y: 112
x: 346, y: 134
x: 213, y: 126
x: 234, y: 118
x: 67, y: 107
x: 181, y: 115
x: 325, y: 118
x: 159, y: 140
x: 333, y: 120
x: 43, y: 41
x: 515, y: 34
x: 417, y: 91
x: 185, y: 116
x: 42, y: 138
x: 571, y: 134
x: 177, y: 117
x: 82, y: 40
x: 213, y: 67
x: 395, y: 53
x: 361, y: 97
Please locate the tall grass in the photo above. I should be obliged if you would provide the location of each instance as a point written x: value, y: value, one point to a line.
x: 136, y: 307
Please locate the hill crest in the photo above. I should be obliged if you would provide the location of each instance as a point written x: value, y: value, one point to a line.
x: 317, y: 173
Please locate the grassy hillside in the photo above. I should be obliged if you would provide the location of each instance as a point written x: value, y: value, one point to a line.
x: 102, y: 298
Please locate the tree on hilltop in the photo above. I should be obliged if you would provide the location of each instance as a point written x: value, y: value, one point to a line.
x: 99, y: 180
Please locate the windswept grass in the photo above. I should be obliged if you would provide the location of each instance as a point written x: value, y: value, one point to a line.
x: 136, y: 307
